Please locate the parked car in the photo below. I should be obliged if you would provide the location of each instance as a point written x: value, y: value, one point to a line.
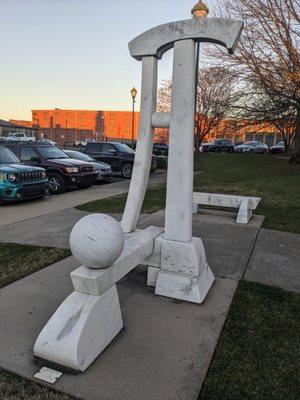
x: 119, y: 156
x: 104, y: 170
x: 48, y: 141
x: 18, y: 137
x: 83, y: 143
x: 252, y: 147
x: 279, y: 148
x: 160, y: 149
x: 62, y: 171
x: 18, y: 181
x: 218, y: 145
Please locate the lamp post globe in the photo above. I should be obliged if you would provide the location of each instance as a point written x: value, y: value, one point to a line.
x: 133, y: 92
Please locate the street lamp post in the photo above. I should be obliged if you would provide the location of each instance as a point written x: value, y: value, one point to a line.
x: 133, y: 95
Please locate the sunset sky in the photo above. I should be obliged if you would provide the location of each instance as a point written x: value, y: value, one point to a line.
x: 74, y: 53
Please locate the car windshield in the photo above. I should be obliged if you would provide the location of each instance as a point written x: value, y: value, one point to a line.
x: 79, y: 156
x: 123, y: 148
x: 51, y: 152
x: 7, y: 156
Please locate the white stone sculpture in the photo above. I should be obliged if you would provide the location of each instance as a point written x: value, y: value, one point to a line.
x: 97, y: 240
x: 90, y: 317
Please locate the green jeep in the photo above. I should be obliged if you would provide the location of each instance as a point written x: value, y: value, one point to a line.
x: 18, y: 181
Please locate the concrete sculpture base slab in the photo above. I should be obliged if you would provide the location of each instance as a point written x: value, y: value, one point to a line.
x: 80, y: 329
x: 164, y: 352
x: 184, y: 287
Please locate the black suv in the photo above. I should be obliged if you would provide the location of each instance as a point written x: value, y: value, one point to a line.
x: 62, y: 171
x: 119, y: 156
x: 218, y: 145
x: 161, y: 149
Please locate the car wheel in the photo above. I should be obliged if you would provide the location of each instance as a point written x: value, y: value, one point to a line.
x: 56, y: 183
x: 126, y: 171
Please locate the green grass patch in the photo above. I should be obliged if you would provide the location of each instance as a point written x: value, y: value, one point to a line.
x: 155, y: 200
x: 17, y: 260
x: 14, y: 388
x: 268, y: 177
x: 258, y: 351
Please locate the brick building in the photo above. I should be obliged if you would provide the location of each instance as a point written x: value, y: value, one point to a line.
x: 69, y: 126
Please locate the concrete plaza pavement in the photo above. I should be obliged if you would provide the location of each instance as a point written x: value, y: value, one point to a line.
x: 275, y: 260
x: 141, y: 362
x: 234, y: 251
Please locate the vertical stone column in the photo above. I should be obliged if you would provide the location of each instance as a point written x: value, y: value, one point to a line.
x: 143, y: 156
x: 178, y: 225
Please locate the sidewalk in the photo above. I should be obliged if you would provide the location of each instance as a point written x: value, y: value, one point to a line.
x: 10, y: 214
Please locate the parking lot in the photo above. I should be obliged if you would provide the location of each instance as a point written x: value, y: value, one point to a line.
x: 12, y: 213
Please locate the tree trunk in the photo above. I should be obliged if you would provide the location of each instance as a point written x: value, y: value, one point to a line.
x: 197, y: 144
x: 296, y: 152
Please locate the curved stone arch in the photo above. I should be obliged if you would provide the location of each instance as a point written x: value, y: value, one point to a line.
x: 155, y: 42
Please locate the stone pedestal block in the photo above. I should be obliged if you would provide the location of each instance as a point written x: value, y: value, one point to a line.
x: 80, y: 329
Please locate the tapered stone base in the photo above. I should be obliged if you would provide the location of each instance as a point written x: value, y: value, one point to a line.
x: 179, y: 270
x: 80, y: 329
x: 184, y: 287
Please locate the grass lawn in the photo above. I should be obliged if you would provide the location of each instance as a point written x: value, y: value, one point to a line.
x: 17, y: 261
x: 154, y: 201
x: 258, y: 351
x: 14, y: 388
x: 268, y: 177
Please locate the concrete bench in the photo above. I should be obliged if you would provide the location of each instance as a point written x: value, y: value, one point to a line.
x: 245, y: 204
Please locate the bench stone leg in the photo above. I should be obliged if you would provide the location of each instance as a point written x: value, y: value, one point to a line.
x: 245, y: 212
x: 195, y: 208
x: 80, y: 329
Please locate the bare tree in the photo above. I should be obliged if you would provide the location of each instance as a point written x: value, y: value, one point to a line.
x: 164, y: 96
x: 258, y: 108
x: 268, y: 59
x: 217, y: 94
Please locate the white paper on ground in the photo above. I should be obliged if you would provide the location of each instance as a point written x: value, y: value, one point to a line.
x: 48, y: 375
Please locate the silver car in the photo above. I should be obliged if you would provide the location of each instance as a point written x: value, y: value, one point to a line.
x: 105, y: 173
x: 252, y: 147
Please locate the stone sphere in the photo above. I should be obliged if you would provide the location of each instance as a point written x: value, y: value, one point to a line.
x: 97, y: 240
